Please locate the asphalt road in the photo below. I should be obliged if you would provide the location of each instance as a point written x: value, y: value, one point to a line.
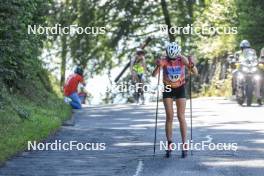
x: 128, y: 133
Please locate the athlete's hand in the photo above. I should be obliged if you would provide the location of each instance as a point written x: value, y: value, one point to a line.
x: 159, y: 62
x: 192, y: 60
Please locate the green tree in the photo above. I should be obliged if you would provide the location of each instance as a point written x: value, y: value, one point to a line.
x: 216, y: 14
x: 20, y: 68
x: 251, y: 22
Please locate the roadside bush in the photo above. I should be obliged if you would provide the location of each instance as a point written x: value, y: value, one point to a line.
x: 20, y: 67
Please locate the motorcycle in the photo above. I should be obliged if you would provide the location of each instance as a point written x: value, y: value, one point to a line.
x: 232, y: 61
x: 247, y: 77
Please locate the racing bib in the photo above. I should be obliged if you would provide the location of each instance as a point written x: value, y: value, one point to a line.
x: 174, y: 73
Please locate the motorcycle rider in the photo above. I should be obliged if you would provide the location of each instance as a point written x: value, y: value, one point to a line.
x: 233, y: 65
x: 261, y: 67
x: 240, y: 57
x: 244, y: 45
x: 261, y: 57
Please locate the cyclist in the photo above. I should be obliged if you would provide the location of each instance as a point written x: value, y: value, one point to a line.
x: 71, y: 86
x: 137, y: 69
x: 173, y: 66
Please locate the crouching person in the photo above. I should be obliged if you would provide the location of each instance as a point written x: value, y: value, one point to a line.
x: 71, y: 87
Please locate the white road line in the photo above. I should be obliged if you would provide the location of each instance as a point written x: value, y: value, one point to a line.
x: 139, y: 168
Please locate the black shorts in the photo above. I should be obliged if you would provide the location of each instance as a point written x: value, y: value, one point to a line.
x: 175, y: 93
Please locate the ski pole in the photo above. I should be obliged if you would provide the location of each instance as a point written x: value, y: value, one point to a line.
x: 190, y: 89
x: 156, y: 120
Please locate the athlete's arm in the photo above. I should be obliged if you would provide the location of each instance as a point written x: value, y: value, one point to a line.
x: 156, y: 71
x: 184, y: 60
x: 144, y: 64
x: 191, y: 66
x: 81, y: 81
x: 159, y: 65
x: 131, y: 65
x: 194, y: 70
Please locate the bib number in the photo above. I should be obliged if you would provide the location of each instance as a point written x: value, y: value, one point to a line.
x: 174, y: 73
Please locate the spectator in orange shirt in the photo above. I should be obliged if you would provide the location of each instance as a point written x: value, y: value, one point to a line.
x: 71, y: 86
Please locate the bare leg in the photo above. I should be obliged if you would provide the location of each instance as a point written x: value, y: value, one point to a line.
x: 168, y: 104
x: 181, y: 104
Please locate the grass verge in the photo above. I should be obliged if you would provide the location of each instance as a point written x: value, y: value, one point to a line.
x: 23, y: 120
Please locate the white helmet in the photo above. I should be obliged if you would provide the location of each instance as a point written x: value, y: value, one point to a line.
x: 244, y: 44
x: 140, y: 51
x: 173, y: 50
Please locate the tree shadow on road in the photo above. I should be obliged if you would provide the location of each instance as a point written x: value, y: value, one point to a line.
x: 128, y: 132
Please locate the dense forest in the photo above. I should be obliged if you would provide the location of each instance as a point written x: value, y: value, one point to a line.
x: 126, y: 23
x: 28, y: 62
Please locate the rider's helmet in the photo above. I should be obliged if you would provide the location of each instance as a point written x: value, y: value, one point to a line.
x: 78, y: 70
x: 244, y: 44
x: 173, y: 50
x: 140, y: 51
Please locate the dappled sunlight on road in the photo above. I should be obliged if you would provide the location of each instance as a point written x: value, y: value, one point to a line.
x: 131, y: 144
x: 228, y: 162
x: 128, y: 131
